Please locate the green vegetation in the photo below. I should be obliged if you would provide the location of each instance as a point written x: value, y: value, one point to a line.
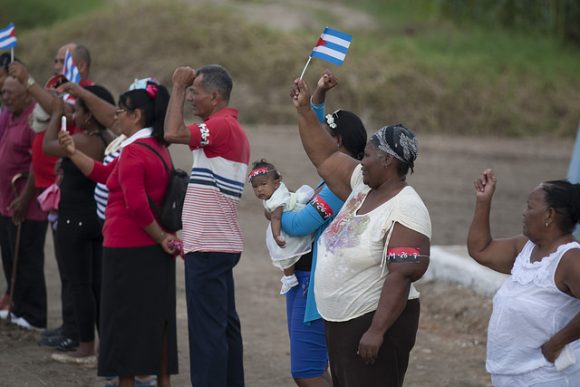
x: 412, y: 66
x: 28, y: 14
x: 559, y: 18
x: 477, y: 79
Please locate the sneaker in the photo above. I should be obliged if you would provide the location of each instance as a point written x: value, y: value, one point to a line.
x: 52, y: 332
x: 23, y: 323
x: 67, y: 344
x: 288, y: 282
x: 88, y: 361
x: 50, y: 341
x: 4, y: 315
x: 5, y: 301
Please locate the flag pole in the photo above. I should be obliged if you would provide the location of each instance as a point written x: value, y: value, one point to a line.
x: 11, y: 54
x: 305, y: 66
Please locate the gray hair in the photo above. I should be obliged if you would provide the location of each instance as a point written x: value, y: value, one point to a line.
x: 216, y: 77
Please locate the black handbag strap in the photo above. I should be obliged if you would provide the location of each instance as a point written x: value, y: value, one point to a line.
x: 158, y: 155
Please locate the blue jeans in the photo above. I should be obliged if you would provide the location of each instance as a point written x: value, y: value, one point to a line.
x: 308, y: 355
x: 215, y: 340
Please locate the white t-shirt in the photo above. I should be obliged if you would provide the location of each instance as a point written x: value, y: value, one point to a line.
x: 351, y: 262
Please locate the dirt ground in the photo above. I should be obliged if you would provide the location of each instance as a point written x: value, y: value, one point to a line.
x: 450, y: 349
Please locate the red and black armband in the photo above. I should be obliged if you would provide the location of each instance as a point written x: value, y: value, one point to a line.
x: 404, y: 255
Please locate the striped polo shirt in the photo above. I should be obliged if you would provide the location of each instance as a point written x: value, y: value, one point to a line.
x: 221, y: 153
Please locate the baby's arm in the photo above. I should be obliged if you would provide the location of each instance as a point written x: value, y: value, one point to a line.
x: 276, y: 219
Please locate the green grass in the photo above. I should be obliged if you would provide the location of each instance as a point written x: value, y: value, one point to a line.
x: 27, y: 14
x: 415, y: 29
x: 414, y: 67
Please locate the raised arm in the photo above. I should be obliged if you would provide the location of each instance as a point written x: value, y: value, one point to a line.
x: 82, y: 161
x: 326, y: 82
x: 175, y: 130
x: 39, y: 93
x: 333, y: 166
x: 497, y: 254
x: 90, y: 145
x: 395, y: 291
x: 103, y: 111
x: 50, y: 144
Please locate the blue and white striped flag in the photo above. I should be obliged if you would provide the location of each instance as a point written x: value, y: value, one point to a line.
x: 332, y: 46
x: 70, y: 70
x: 8, y: 37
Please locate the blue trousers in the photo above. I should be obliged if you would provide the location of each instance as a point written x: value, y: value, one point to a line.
x: 215, y: 339
x: 308, y: 356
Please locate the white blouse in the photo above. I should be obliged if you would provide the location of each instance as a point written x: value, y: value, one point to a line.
x: 528, y: 310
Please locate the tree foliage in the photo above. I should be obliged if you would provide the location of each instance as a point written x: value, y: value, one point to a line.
x: 557, y: 17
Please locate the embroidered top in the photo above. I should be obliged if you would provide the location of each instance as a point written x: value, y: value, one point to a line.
x: 221, y: 153
x: 351, y: 267
x: 528, y: 309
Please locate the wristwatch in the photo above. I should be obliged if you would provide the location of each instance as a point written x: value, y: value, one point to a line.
x: 30, y: 81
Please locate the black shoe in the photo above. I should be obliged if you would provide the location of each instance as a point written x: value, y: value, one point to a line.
x: 66, y: 345
x: 52, y: 332
x: 51, y: 341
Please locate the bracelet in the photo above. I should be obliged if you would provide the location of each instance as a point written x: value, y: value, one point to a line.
x: 160, y: 239
x: 30, y: 81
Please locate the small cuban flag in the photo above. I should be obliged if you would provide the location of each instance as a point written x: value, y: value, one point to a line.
x: 70, y: 70
x: 332, y: 46
x: 8, y: 37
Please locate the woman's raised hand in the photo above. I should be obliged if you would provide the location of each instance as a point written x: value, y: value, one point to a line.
x: 300, y: 94
x: 66, y: 142
x: 327, y: 81
x: 485, y: 185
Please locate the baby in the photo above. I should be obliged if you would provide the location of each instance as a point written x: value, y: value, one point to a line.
x: 284, y: 250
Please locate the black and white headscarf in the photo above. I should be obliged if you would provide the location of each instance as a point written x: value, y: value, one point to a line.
x: 397, y: 141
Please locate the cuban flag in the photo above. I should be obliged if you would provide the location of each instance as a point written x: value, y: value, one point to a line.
x: 332, y: 46
x: 70, y: 70
x: 8, y: 37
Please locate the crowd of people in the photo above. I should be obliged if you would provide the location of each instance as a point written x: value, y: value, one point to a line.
x: 350, y: 252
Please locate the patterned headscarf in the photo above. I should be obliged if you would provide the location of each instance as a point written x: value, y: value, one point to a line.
x: 397, y: 141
